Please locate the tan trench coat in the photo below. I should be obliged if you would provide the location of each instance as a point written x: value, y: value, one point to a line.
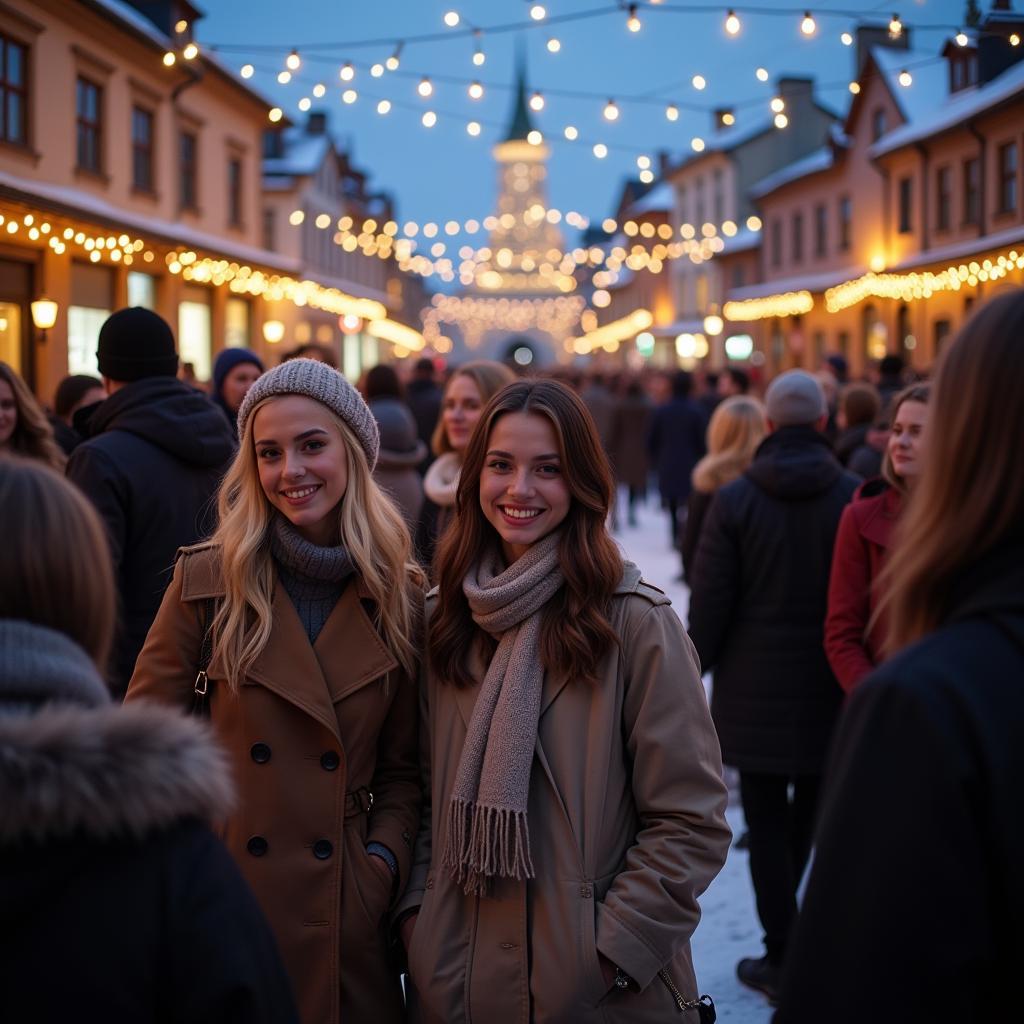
x: 627, y: 829
x: 312, y: 730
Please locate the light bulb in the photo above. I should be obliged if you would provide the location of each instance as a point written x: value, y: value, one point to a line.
x: 190, y: 52
x: 305, y: 103
x: 429, y: 119
x: 808, y: 26
x: 906, y: 78
x: 846, y: 39
x: 600, y: 151
x: 611, y: 111
x: 349, y: 96
x: 554, y: 45
x: 732, y: 24
x: 476, y: 91
x: 479, y: 57
x: 538, y: 13
x: 451, y: 19
x: 284, y: 77
x: 473, y: 127
x: 571, y: 133
x: 384, y: 107
x: 778, y: 105
x: 395, y: 59
x: 347, y: 72
x: 781, y: 120
x: 247, y: 71
x: 643, y: 162
x: 275, y: 114
x: 319, y: 90
x: 961, y: 39
x: 699, y: 82
x: 294, y: 62
x: 534, y: 138
x: 633, y: 23
x: 728, y: 119
x: 855, y: 88
x: 762, y: 74
x: 377, y: 70
x: 1014, y: 39
x: 169, y: 59
x: 697, y: 144
x: 425, y: 88
x: 536, y: 101
x: 672, y: 112
x: 895, y: 27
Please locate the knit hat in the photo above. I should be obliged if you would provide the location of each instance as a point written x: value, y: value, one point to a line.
x: 323, y: 384
x: 136, y: 343
x: 227, y: 360
x: 795, y: 398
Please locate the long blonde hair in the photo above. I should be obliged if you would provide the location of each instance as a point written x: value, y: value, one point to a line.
x: 370, y: 527
x: 738, y: 425
x: 970, y: 495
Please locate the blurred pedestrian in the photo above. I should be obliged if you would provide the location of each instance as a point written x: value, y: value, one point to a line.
x: 424, y: 396
x: 577, y: 807
x: 79, y: 391
x: 601, y: 404
x: 915, y: 898
x: 631, y: 423
x: 891, y: 369
x: 301, y: 616
x: 235, y: 370
x: 315, y: 351
x: 737, y: 428
x: 153, y: 456
x: 676, y: 445
x: 105, y: 846
x: 757, y: 611
x: 866, y: 460
x: 854, y: 633
x: 24, y: 428
x: 401, y: 451
x: 710, y: 396
x: 469, y: 389
x: 732, y: 381
x: 859, y: 406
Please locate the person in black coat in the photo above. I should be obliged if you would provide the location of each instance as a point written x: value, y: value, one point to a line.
x: 155, y: 453
x: 913, y: 908
x: 117, y: 902
x: 676, y: 444
x: 757, y: 609
x: 423, y: 396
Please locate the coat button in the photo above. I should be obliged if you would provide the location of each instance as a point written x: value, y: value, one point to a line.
x: 260, y: 753
x: 586, y: 892
x: 329, y: 760
x: 322, y: 849
x: 257, y: 846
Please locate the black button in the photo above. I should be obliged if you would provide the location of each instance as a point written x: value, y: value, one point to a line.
x: 322, y: 849
x: 257, y: 846
x: 329, y: 760
x: 260, y: 753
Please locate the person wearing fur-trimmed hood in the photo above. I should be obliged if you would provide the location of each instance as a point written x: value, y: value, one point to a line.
x: 118, y: 903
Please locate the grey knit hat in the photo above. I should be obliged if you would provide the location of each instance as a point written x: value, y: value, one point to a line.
x: 324, y: 384
x: 795, y: 398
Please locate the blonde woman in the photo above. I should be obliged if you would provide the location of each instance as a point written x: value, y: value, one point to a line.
x: 737, y: 427
x: 311, y: 665
x: 468, y: 390
x: 24, y: 428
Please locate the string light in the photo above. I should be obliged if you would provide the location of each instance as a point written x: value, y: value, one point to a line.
x: 895, y: 27
x: 169, y: 59
x: 473, y: 128
x: 349, y: 96
x: 785, y: 304
x: 247, y: 71
x: 538, y: 13
x: 293, y: 61
x: 961, y: 38
x: 451, y: 19
x: 906, y: 78
x: 393, y: 62
x: 611, y: 111
x: 476, y: 91
x: 319, y: 90
x: 384, y: 107
x: 347, y: 72
x: 426, y: 87
x: 600, y: 150
x: 699, y: 82
x: 808, y: 25
x: 537, y: 102
x: 732, y: 24
x: 554, y: 45
x: 284, y: 77
x: 762, y: 74
x: 571, y: 133
x: 672, y: 112
x: 190, y: 52
x: 429, y: 119
x: 778, y: 104
x: 633, y: 22
x: 846, y: 39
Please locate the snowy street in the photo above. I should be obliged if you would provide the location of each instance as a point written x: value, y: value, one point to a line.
x: 729, y: 929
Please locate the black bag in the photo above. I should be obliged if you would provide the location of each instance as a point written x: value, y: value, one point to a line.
x: 201, y: 691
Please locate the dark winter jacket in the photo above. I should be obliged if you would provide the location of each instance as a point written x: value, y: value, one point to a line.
x: 631, y: 423
x: 117, y: 903
x: 849, y: 441
x: 156, y: 452
x: 676, y: 443
x: 401, y: 451
x: 757, y: 605
x: 866, y: 461
x: 921, y: 837
x: 424, y: 400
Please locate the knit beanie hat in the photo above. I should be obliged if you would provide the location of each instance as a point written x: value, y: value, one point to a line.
x: 227, y: 360
x: 136, y: 343
x: 324, y: 384
x: 795, y: 398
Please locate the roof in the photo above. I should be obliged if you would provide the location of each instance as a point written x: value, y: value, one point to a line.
x: 955, y: 110
x: 521, y: 124
x: 800, y: 282
x: 929, y: 85
x: 661, y: 198
x: 742, y: 241
x: 304, y: 154
x: 815, y: 162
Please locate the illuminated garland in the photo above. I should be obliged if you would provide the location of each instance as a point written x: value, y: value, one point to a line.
x: 476, y: 315
x: 611, y: 335
x: 786, y: 304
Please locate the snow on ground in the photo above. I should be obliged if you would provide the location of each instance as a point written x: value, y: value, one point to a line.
x: 729, y: 929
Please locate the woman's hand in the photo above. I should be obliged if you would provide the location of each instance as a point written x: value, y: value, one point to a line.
x: 406, y: 928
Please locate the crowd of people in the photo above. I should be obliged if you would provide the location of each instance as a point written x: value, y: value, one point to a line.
x: 309, y: 684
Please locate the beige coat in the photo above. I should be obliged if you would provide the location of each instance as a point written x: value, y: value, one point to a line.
x: 311, y: 732
x: 627, y: 829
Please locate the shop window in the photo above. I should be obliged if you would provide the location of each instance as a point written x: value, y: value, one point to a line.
x: 10, y: 334
x: 195, y: 332
x: 13, y: 91
x: 142, y: 149
x: 84, y: 323
x: 874, y: 336
x: 89, y: 110
x: 236, y: 323
x: 141, y: 290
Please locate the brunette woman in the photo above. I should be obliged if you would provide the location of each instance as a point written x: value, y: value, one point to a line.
x: 738, y: 425
x: 309, y: 599
x: 24, y: 428
x: 854, y: 633
x: 468, y: 390
x: 576, y: 806
x: 914, y: 903
x: 105, y: 847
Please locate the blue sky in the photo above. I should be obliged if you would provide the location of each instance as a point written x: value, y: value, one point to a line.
x: 442, y: 173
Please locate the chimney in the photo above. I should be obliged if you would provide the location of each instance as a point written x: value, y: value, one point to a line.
x: 316, y: 123
x: 869, y: 36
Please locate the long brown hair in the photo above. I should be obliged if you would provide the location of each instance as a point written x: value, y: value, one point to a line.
x: 489, y: 378
x: 970, y: 496
x: 575, y: 631
x: 54, y: 561
x: 33, y: 435
x: 915, y: 393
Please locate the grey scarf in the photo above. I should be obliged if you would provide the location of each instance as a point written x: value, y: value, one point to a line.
x: 486, y: 830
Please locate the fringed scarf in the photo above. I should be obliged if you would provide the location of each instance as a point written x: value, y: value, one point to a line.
x: 486, y: 832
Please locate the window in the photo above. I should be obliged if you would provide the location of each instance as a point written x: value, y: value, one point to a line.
x: 235, y: 192
x: 739, y: 277
x: 141, y: 290
x: 719, y: 199
x: 683, y: 205
x: 906, y: 200
x: 820, y: 229
x: 188, y: 145
x: 776, y: 243
x: 1007, y: 165
x: 269, y: 229
x: 798, y: 237
x: 972, y: 190
x: 13, y: 92
x: 700, y: 217
x: 88, y: 105
x: 845, y: 220
x: 194, y: 330
x: 877, y: 124
x: 236, y: 323
x: 142, y: 149
x: 943, y: 198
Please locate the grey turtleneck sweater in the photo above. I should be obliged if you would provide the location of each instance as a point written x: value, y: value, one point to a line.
x: 312, y: 576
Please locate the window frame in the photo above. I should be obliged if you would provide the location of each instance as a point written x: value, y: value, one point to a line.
x: 188, y: 171
x: 797, y: 235
x: 944, y: 198
x: 1007, y: 187
x: 85, y: 128
x: 144, y: 151
x: 236, y: 195
x: 905, y: 205
x: 9, y: 88
x: 971, y: 190
x: 776, y: 242
x: 844, y: 208
x: 820, y: 230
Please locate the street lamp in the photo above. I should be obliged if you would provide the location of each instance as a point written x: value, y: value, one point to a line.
x: 44, y: 315
x: 273, y: 331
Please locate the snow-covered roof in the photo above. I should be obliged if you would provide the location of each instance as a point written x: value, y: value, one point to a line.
x: 929, y: 74
x: 801, y: 282
x: 304, y: 154
x: 659, y: 199
x: 742, y: 241
x: 815, y: 162
x: 955, y: 110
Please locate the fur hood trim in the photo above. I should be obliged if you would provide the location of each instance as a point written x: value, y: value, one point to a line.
x: 715, y: 471
x: 105, y: 772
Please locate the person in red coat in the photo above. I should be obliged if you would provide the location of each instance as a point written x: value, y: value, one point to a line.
x: 854, y: 636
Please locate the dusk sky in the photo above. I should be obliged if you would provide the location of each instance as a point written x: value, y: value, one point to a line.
x: 442, y: 173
